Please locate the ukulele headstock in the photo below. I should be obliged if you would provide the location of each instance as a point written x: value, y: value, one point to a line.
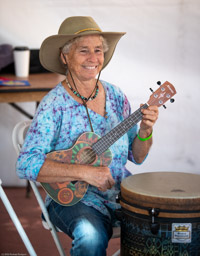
x: 165, y: 92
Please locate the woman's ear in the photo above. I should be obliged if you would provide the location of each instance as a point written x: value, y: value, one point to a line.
x: 63, y: 58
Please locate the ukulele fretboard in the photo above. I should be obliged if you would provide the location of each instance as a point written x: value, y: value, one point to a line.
x: 111, y: 137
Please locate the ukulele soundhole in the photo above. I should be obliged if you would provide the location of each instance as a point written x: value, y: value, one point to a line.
x: 86, y: 156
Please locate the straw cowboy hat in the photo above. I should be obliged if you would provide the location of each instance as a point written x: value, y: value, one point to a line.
x: 71, y: 28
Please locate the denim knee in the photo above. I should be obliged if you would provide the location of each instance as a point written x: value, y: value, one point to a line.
x: 89, y: 240
x: 89, y: 229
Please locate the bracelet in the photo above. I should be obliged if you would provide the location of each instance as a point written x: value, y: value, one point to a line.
x: 144, y: 139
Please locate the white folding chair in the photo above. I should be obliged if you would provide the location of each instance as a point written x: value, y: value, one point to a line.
x: 16, y: 222
x: 18, y: 136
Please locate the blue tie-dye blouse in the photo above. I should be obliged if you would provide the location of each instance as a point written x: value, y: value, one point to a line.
x: 57, y: 124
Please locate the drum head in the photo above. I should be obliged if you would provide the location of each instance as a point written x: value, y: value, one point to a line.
x: 164, y: 190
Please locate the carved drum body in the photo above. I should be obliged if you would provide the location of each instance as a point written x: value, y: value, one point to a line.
x: 160, y: 214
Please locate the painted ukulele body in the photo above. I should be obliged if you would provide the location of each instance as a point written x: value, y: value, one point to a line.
x: 70, y: 193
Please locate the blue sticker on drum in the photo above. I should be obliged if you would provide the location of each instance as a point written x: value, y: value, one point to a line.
x: 181, y: 232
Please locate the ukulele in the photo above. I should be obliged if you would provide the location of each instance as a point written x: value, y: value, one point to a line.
x: 91, y: 149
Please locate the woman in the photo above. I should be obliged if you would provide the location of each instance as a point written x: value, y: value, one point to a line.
x: 78, y: 104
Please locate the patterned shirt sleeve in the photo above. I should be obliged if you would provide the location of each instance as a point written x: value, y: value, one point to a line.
x: 40, y: 139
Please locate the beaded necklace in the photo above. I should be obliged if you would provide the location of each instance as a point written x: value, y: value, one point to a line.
x: 82, y: 97
x: 84, y: 100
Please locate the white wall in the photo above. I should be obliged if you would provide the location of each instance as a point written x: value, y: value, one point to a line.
x: 162, y: 43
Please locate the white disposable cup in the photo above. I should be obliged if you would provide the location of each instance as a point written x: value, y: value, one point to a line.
x: 21, y: 61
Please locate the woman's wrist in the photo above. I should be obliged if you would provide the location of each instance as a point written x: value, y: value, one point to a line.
x: 144, y: 136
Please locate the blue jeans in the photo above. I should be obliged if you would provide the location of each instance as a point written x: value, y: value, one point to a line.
x: 89, y: 228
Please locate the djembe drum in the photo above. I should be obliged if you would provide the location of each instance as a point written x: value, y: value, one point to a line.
x: 160, y: 214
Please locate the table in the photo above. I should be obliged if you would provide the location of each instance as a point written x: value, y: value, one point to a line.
x: 40, y: 85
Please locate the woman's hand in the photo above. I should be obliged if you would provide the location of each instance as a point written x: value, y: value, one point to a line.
x: 140, y: 147
x: 150, y: 116
x: 99, y: 177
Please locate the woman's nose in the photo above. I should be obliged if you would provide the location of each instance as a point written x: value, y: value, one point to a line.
x: 92, y: 56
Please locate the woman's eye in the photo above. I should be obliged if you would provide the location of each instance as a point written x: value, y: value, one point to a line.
x: 84, y: 51
x: 98, y: 50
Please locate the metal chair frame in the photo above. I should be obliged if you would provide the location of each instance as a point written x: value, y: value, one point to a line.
x: 16, y: 221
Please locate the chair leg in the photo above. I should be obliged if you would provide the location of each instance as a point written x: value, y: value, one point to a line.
x: 116, y: 253
x: 16, y: 222
x: 46, y: 215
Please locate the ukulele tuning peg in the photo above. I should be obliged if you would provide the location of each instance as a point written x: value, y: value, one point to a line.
x: 159, y: 83
x: 172, y: 100
x: 151, y: 89
x: 164, y: 107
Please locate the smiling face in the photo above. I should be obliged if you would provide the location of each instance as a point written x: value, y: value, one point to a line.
x: 85, y: 58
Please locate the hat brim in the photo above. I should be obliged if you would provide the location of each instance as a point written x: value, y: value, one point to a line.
x: 50, y: 49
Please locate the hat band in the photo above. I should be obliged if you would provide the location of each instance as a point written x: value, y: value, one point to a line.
x: 88, y: 29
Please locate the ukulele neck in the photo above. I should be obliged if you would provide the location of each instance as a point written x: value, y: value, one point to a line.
x: 111, y: 137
